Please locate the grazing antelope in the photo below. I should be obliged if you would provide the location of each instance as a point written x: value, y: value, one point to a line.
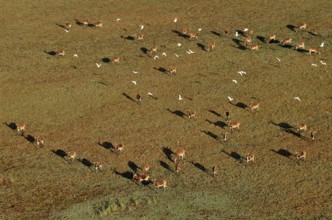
x: 119, y: 147
x: 312, y: 135
x: 98, y: 166
x: 68, y: 25
x: 141, y: 178
x: 152, y: 50
x: 270, y: 38
x: 301, y: 155
x: 98, y: 25
x: 254, y: 106
x: 225, y: 135
x: 228, y: 115
x: 299, y: 45
x: 139, y: 98
x: 254, y: 47
x: 160, y: 183
x: 193, y: 35
x: 172, y: 69
x: 286, y: 41
x: 139, y: 36
x: 85, y: 23
x: 59, y: 53
x: 20, y: 128
x: 145, y: 168
x: 301, y: 26
x: 234, y: 125
x: 179, y: 154
x: 246, y: 41
x: 210, y: 47
x: 116, y: 60
x: 71, y: 156
x: 250, y: 157
x: 301, y: 127
x: 214, y: 171
x: 185, y: 31
x: 191, y: 114
x: 39, y: 141
x: 313, y: 50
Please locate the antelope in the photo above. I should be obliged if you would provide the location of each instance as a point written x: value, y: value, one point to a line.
x: 254, y: 106
x: 185, y: 31
x: 160, y: 183
x: 234, y: 125
x: 98, y: 166
x: 250, y: 32
x: 270, y: 38
x: 214, y: 171
x: 299, y: 45
x: 39, y: 141
x: 225, y: 135
x: 85, y: 23
x: 250, y: 157
x: 210, y: 47
x: 139, y: 36
x: 177, y: 167
x: 228, y: 115
x: 191, y: 114
x: 59, y: 53
x: 301, y: 155
x: 301, y: 127
x: 301, y: 26
x: 312, y: 134
x: 180, y: 154
x: 141, y: 178
x: 313, y: 50
x: 98, y: 25
x: 116, y: 60
x: 172, y: 69
x: 193, y: 35
x: 20, y: 128
x: 286, y: 41
x: 68, y: 25
x: 145, y: 168
x: 139, y: 98
x: 71, y: 156
x: 254, y: 47
x: 246, y: 41
x: 119, y: 147
x: 152, y: 50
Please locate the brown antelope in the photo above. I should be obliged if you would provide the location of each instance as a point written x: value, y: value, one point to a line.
x: 71, y: 156
x: 301, y: 155
x: 179, y: 154
x: 160, y: 183
x: 191, y: 114
x: 299, y: 45
x: 254, y: 106
x: 68, y: 25
x: 301, y: 127
x: 286, y: 41
x: 313, y: 50
x: 20, y: 128
x: 119, y: 147
x: 172, y: 69
x: 234, y: 125
x: 228, y: 115
x: 116, y: 60
x: 185, y: 31
x: 301, y: 26
x: 246, y: 41
x: 97, y: 166
x: 270, y: 38
x: 141, y: 178
x: 250, y: 32
x: 177, y: 167
x: 312, y: 135
x: 145, y: 168
x: 59, y: 53
x: 139, y: 98
x: 214, y: 170
x: 152, y: 50
x: 85, y: 23
x: 254, y: 47
x: 139, y: 36
x: 39, y: 141
x: 193, y: 35
x: 250, y: 157
x: 225, y: 135
x: 98, y: 25
x: 210, y: 47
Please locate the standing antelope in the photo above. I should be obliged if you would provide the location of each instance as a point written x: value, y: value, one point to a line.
x: 286, y: 41
x: 193, y: 35
x: 254, y: 47
x: 250, y: 157
x: 234, y: 125
x: 116, y: 60
x: 98, y: 25
x: 119, y: 147
x: 98, y: 166
x: 185, y: 31
x: 301, y: 127
x: 152, y: 50
x: 301, y: 155
x: 246, y: 41
x: 139, y: 36
x: 270, y: 38
x: 177, y: 167
x: 141, y: 178
x: 139, y: 98
x: 299, y: 45
x: 160, y: 183
x: 312, y: 134
x: 254, y: 106
x: 301, y: 26
x: 179, y: 154
x: 20, y: 128
x: 68, y: 25
x: 145, y: 168
x: 39, y: 141
x: 210, y: 47
x: 85, y: 23
x: 59, y: 53
x: 71, y: 156
x: 191, y: 114
x: 214, y: 171
x: 225, y: 135
x: 172, y: 69
x: 313, y: 50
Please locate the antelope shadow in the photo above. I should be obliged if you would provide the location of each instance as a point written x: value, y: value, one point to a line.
x: 211, y: 134
x: 131, y: 38
x: 106, y: 60
x: 30, y: 138
x: 261, y: 38
x: 144, y: 50
x: 180, y: 34
x: 177, y: 113
x: 216, y: 33
x: 283, y: 152
x: 220, y: 124
x: 288, y: 46
x: 200, y: 167
x: 240, y: 32
x: 239, y: 44
x: 60, y: 153
x: 240, y: 105
x: 234, y: 155
x: 106, y: 145
x: 62, y: 26
x: 79, y: 23
x: 52, y: 52
x: 161, y: 69
x: 214, y: 112
x: 168, y: 152
x: 85, y: 162
x: 11, y: 125
x: 291, y: 27
x: 287, y: 128
x: 127, y: 174
x: 166, y: 166
x: 128, y: 97
x: 300, y: 50
x: 133, y: 166
x: 201, y: 46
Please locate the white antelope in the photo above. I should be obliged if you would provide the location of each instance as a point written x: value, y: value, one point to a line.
x: 225, y: 135
x: 59, y: 53
x: 98, y: 25
x: 313, y: 50
x: 250, y: 157
x: 97, y: 166
x: 210, y: 47
x: 246, y: 41
x: 286, y: 41
x: 139, y: 36
x: 254, y: 47
x: 39, y: 141
x: 254, y: 106
x: 301, y: 127
x: 116, y: 60
x: 234, y: 125
x: 20, y: 128
x: 160, y: 183
x: 270, y: 38
x: 301, y: 155
x: 172, y: 69
x: 71, y: 156
x: 301, y: 26
x: 299, y: 45
x: 141, y: 178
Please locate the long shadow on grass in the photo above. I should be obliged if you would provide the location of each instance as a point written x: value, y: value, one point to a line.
x: 211, y: 134
x: 261, y: 38
x: 52, y: 52
x: 177, y: 112
x: 283, y: 152
x: 291, y: 27
x: 180, y: 34
x: 131, y: 38
x: 200, y: 167
x: 133, y: 166
x: 234, y: 155
x: 60, y: 153
x: 287, y: 128
x: 79, y: 23
x: 144, y: 50
x: 128, y: 97
x: 106, y: 145
x: 201, y: 46
x: 240, y: 105
x: 161, y: 69
x: 86, y: 162
x: 168, y: 152
x: 239, y: 45
x: 220, y: 124
x: 62, y: 26
x: 166, y: 166
x: 11, y: 125
x: 216, y: 33
x: 214, y: 112
x: 106, y: 60
x: 288, y: 46
x: 300, y: 50
x: 30, y: 138
x: 127, y: 174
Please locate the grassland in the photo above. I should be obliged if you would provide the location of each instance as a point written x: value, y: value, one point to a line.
x: 77, y: 106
